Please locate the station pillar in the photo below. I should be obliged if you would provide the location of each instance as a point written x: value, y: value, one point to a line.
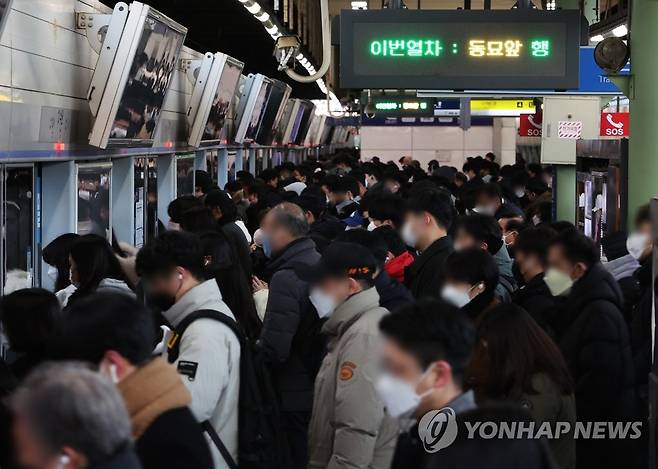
x: 643, y: 95
x: 564, y: 192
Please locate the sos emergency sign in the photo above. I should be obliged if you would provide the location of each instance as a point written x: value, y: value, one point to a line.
x: 615, y: 124
x: 530, y: 125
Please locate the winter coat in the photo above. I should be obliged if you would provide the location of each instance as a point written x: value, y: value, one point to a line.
x: 239, y: 242
x: 167, y: 434
x: 594, y: 340
x: 291, y: 327
x: 423, y: 276
x: 125, y: 459
x: 349, y: 428
x: 392, y: 294
x: 536, y: 299
x: 506, y: 283
x: 209, y: 365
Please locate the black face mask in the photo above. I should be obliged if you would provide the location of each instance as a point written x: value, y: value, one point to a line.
x: 161, y: 301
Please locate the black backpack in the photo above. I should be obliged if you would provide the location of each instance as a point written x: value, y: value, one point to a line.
x: 261, y: 444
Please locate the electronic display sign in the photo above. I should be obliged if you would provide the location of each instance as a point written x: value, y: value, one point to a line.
x: 457, y: 50
x: 403, y: 106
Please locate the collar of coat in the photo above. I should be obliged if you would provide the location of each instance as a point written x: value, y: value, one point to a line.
x: 151, y: 391
x: 438, y: 246
x: 350, y: 311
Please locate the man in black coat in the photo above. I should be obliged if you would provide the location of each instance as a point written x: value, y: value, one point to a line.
x: 531, y: 250
x: 594, y: 339
x: 428, y: 215
x: 291, y: 327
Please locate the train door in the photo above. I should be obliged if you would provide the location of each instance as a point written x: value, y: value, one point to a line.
x: 185, y: 175
x: 18, y: 226
x: 94, y: 201
x: 153, y: 228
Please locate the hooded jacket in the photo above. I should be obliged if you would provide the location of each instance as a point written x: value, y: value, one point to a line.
x: 595, y: 343
x: 290, y: 325
x: 349, y: 428
x: 167, y: 434
x: 209, y: 365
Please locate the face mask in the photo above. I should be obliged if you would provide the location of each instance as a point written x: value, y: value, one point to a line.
x: 372, y: 226
x: 408, y: 235
x: 324, y: 304
x: 557, y: 282
x: 52, y: 272
x: 172, y: 226
x: 483, y: 210
x: 636, y: 244
x: 519, y: 193
x: 267, y: 245
x: 487, y: 178
x: 399, y: 396
x: 457, y: 297
x: 536, y: 220
x: 507, y: 243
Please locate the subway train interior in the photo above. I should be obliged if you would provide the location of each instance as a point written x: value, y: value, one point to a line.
x: 111, y: 112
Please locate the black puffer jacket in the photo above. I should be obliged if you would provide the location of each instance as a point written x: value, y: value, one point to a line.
x: 594, y: 339
x: 291, y: 327
x: 536, y: 299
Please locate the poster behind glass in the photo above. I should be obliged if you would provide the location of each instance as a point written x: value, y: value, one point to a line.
x: 304, y: 123
x: 150, y: 75
x: 257, y: 113
x: 272, y: 113
x: 94, y: 200
x: 296, y: 125
x: 184, y: 175
x: 140, y: 192
x: 18, y: 220
x: 222, y: 105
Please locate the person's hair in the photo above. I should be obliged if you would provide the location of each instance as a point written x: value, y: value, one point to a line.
x: 432, y: 330
x: 102, y: 322
x: 368, y: 239
x: 472, y: 266
x: 386, y: 206
x: 483, y: 228
x: 69, y: 405
x: 233, y: 186
x: 223, y: 201
x: 516, y: 225
x: 461, y: 177
x: 181, y: 205
x: 512, y: 350
x: 244, y: 176
x: 536, y: 186
x: 490, y: 191
x: 345, y: 184
x: 535, y: 241
x: 94, y: 261
x: 562, y: 225
x: 373, y: 170
x: 202, y: 180
x: 436, y: 202
x: 56, y: 253
x: 392, y: 238
x: 291, y: 217
x: 28, y: 318
x: 169, y: 250
x: 643, y: 215
x: 314, y: 203
x: 535, y: 168
x: 576, y: 247
x: 268, y: 175
x: 197, y: 219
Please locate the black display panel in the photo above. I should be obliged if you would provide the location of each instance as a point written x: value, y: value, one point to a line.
x: 148, y: 81
x: 441, y: 49
x: 221, y: 105
x: 269, y: 122
x: 305, y: 122
x: 257, y: 114
x: 297, y: 125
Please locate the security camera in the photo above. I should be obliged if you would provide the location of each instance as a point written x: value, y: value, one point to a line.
x: 370, y: 111
x: 286, y: 49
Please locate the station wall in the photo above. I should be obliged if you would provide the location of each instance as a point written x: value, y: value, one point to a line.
x: 449, y: 145
x: 47, y: 65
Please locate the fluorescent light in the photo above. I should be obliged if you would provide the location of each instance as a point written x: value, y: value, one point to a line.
x: 274, y: 30
x: 359, y: 5
x: 597, y: 38
x: 263, y: 17
x: 254, y: 8
x: 620, y: 30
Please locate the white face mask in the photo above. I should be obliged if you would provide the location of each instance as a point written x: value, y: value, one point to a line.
x: 519, y: 193
x: 173, y: 226
x: 372, y: 226
x: 536, y: 220
x: 486, y: 178
x: 399, y: 396
x: 636, y: 244
x: 557, y: 282
x: 324, y: 304
x: 408, y: 235
x: 457, y: 297
x: 52, y: 272
x: 484, y: 210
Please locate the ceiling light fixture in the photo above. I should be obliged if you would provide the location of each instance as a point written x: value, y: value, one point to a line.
x: 620, y: 31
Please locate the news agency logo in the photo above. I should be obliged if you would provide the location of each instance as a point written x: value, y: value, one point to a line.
x: 438, y: 429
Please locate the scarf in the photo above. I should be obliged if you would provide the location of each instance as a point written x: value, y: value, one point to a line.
x: 151, y: 391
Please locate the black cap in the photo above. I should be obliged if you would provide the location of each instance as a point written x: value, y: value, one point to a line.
x: 340, y: 260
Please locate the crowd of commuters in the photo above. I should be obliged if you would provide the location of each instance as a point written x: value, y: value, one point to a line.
x: 314, y: 316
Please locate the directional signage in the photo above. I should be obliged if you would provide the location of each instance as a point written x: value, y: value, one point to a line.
x: 444, y: 49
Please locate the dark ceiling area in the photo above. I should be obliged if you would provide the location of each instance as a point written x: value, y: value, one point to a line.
x: 226, y: 26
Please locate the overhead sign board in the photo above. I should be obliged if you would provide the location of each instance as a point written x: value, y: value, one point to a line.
x: 403, y: 106
x: 444, y: 49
